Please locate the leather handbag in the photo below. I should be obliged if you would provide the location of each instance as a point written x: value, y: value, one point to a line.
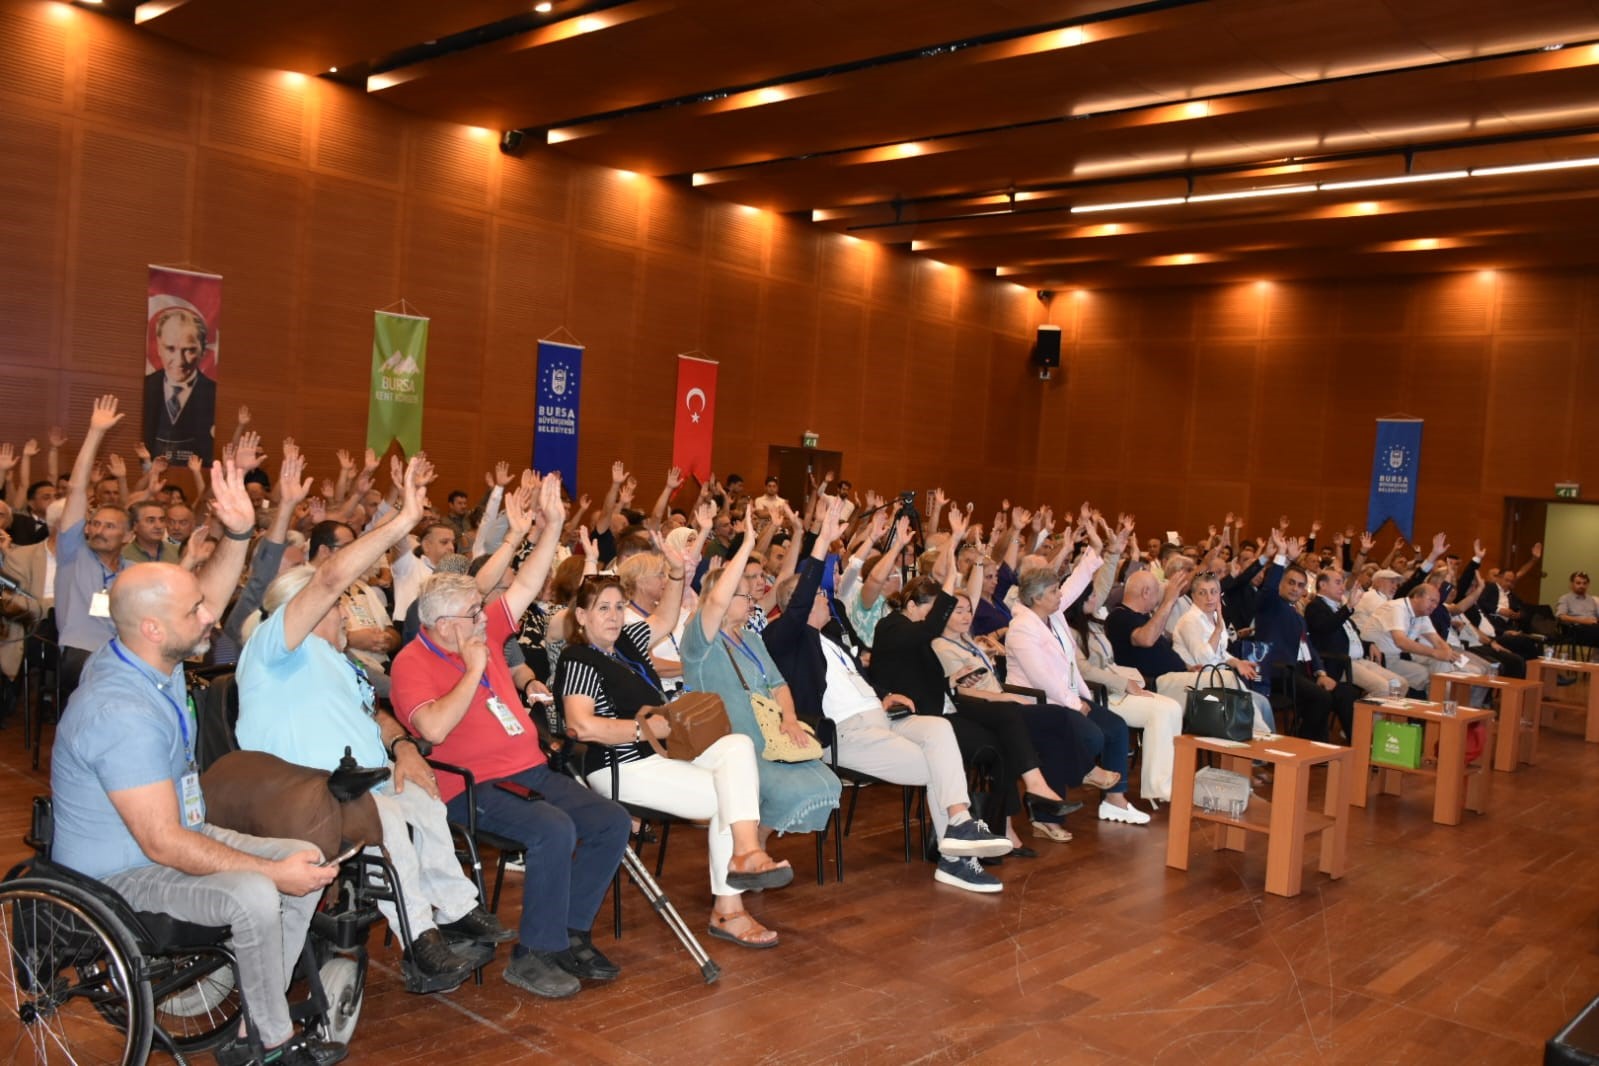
x: 780, y: 747
x: 697, y: 720
x: 1216, y: 709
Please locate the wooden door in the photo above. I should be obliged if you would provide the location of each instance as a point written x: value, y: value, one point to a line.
x: 1525, y: 520
x: 794, y: 468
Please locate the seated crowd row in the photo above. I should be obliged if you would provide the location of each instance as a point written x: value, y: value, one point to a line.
x: 1000, y: 670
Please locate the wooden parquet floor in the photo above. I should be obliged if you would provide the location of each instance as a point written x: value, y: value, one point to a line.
x: 1441, y: 945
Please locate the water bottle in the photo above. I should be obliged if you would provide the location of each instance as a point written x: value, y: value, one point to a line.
x: 1396, y: 688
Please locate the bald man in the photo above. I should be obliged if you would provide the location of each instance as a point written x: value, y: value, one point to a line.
x: 128, y: 807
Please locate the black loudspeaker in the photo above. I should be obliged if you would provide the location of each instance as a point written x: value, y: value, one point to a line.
x: 1046, y: 349
x: 511, y: 142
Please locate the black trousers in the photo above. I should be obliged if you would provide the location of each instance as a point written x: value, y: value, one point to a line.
x: 994, y: 734
x: 1510, y: 664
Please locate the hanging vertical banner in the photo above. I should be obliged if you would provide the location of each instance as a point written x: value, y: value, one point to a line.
x: 181, y: 332
x: 696, y: 416
x: 399, y: 365
x: 555, y: 418
x: 1393, y: 474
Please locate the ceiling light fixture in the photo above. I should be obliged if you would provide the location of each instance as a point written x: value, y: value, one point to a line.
x: 1403, y: 179
x: 1250, y: 194
x: 1088, y: 209
x: 1532, y: 168
x: 544, y: 8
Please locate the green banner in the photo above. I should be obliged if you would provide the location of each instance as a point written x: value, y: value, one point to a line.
x: 399, y: 359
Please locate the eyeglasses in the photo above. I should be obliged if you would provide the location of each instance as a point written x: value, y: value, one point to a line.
x: 471, y: 616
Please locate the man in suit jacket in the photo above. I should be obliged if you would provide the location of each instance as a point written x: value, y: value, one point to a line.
x: 1332, y: 633
x: 1316, y: 693
x: 180, y: 403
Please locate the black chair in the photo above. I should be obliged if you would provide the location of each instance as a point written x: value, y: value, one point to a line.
x: 855, y: 780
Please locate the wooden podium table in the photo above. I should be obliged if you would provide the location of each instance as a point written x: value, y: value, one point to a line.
x: 1543, y: 673
x: 1284, y: 818
x: 1457, y: 785
x: 1520, y: 711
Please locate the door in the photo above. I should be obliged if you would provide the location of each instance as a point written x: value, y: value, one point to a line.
x: 1525, y: 519
x: 794, y: 467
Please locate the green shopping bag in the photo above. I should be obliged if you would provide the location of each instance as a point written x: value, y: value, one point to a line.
x: 1396, y: 744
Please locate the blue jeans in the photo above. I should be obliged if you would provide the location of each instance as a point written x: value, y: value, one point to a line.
x: 574, y: 840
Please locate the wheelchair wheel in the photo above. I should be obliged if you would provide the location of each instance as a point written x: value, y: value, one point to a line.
x: 197, y: 1000
x: 72, y: 977
x: 344, y: 983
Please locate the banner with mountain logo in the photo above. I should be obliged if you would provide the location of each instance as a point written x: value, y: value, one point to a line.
x: 399, y: 360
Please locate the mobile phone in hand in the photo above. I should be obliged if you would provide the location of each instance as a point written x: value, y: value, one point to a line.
x: 343, y: 855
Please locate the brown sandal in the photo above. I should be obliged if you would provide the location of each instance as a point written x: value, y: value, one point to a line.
x: 749, y: 938
x: 756, y: 871
x: 1101, y: 778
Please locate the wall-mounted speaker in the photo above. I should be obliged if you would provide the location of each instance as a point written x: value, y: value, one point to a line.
x: 1046, y: 349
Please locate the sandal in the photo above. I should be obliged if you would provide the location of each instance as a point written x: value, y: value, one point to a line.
x: 754, y: 871
x: 1102, y: 778
x: 1052, y: 830
x: 750, y: 938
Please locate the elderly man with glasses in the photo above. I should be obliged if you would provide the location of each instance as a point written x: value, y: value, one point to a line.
x: 453, y: 688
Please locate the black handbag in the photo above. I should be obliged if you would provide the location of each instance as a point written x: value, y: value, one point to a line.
x: 1217, y: 709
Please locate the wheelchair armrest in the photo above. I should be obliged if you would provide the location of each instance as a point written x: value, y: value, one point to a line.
x: 471, y: 790
x: 41, y: 827
x: 1023, y: 690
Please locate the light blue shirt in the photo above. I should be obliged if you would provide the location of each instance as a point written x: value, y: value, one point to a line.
x: 79, y: 575
x: 307, y: 705
x: 120, y: 731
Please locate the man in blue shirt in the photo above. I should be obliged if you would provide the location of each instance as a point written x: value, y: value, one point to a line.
x: 128, y: 807
x: 302, y: 700
x: 88, y: 556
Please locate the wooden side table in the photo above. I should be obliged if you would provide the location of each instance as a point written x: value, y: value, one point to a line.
x: 1458, y: 786
x: 1284, y: 818
x: 1543, y: 672
x: 1520, y: 713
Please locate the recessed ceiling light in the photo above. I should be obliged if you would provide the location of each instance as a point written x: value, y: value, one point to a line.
x: 545, y: 8
x: 333, y: 70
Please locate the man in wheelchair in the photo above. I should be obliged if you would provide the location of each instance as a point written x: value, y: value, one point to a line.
x: 302, y: 700
x: 128, y: 806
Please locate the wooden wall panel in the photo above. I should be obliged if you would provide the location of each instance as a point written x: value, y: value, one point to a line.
x: 319, y: 205
x: 32, y: 232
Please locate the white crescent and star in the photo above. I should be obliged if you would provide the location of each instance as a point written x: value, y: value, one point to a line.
x: 688, y: 402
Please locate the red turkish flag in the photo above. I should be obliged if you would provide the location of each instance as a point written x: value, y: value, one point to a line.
x: 696, y: 415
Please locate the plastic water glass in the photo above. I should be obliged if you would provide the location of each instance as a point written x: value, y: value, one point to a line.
x: 1396, y: 688
x: 1451, y: 708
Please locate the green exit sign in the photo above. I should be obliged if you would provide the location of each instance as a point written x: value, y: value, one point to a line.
x: 1566, y: 490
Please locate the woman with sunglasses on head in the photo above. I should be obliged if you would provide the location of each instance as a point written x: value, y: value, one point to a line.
x: 721, y: 656
x: 604, y: 679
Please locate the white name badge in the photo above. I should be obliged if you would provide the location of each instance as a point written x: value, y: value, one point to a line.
x: 507, y: 720
x: 100, y: 605
x: 193, y: 802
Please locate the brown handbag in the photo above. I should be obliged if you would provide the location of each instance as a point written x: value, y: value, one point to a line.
x: 698, y: 720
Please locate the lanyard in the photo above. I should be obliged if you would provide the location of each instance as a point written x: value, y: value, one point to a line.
x: 1067, y: 650
x: 744, y: 649
x: 183, y: 721
x: 637, y: 668
x: 971, y: 648
x: 645, y: 615
x: 483, y: 678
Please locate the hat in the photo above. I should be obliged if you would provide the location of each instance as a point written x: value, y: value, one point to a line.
x: 1386, y: 575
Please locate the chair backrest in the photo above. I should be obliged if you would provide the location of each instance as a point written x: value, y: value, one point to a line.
x: 218, y: 713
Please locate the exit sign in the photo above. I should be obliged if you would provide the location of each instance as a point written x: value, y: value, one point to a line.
x: 1566, y: 490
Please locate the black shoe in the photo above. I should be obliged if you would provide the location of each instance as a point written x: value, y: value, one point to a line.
x: 537, y: 972
x: 479, y: 925
x: 582, y: 959
x: 1040, y: 809
x: 298, y: 1051
x: 438, y: 967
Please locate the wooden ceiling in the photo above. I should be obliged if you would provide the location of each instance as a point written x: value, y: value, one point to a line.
x: 970, y: 130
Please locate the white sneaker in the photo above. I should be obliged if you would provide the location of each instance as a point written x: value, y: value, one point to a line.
x: 1129, y: 815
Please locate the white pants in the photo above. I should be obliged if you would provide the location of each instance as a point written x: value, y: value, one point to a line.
x: 1161, y: 719
x: 1414, y: 672
x: 721, y: 787
x: 916, y: 750
x: 1373, y: 679
x: 422, y: 852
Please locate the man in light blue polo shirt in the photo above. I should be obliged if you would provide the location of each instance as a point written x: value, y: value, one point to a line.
x: 88, y: 556
x: 128, y: 806
x: 303, y: 700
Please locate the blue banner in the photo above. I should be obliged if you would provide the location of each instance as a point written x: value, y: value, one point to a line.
x: 1393, y: 474
x: 555, y: 417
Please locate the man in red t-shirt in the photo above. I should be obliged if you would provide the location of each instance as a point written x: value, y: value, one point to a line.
x: 452, y: 687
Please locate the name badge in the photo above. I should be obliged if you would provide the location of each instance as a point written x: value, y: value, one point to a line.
x: 507, y: 720
x: 100, y: 605
x: 193, y: 802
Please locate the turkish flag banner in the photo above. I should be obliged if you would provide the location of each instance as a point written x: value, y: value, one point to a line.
x: 696, y: 416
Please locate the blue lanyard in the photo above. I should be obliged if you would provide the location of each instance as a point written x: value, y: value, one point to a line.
x: 669, y: 634
x: 483, y: 678
x: 183, y: 721
x: 744, y: 650
x: 973, y: 649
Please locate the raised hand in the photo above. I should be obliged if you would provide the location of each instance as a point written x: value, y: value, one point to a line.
x: 958, y: 521
x: 8, y: 458
x: 346, y: 463
x: 196, y: 465
x: 138, y: 449
x: 249, y: 454
x: 1537, y: 550
x: 1291, y: 548
x: 318, y: 510
x: 704, y: 515
x: 293, y: 485
x: 1366, y: 543
x: 194, y: 549
x: 618, y: 472
x: 229, y: 500
x: 1282, y: 523
x: 105, y: 414
x: 674, y: 479
x: 244, y: 415
x: 591, y: 548
x: 519, y: 512
x: 328, y: 488
x: 113, y: 463
x: 1020, y: 516
x: 502, y: 473
x: 1315, y: 527
x: 1476, y: 548
x: 57, y: 438
x: 550, y: 500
